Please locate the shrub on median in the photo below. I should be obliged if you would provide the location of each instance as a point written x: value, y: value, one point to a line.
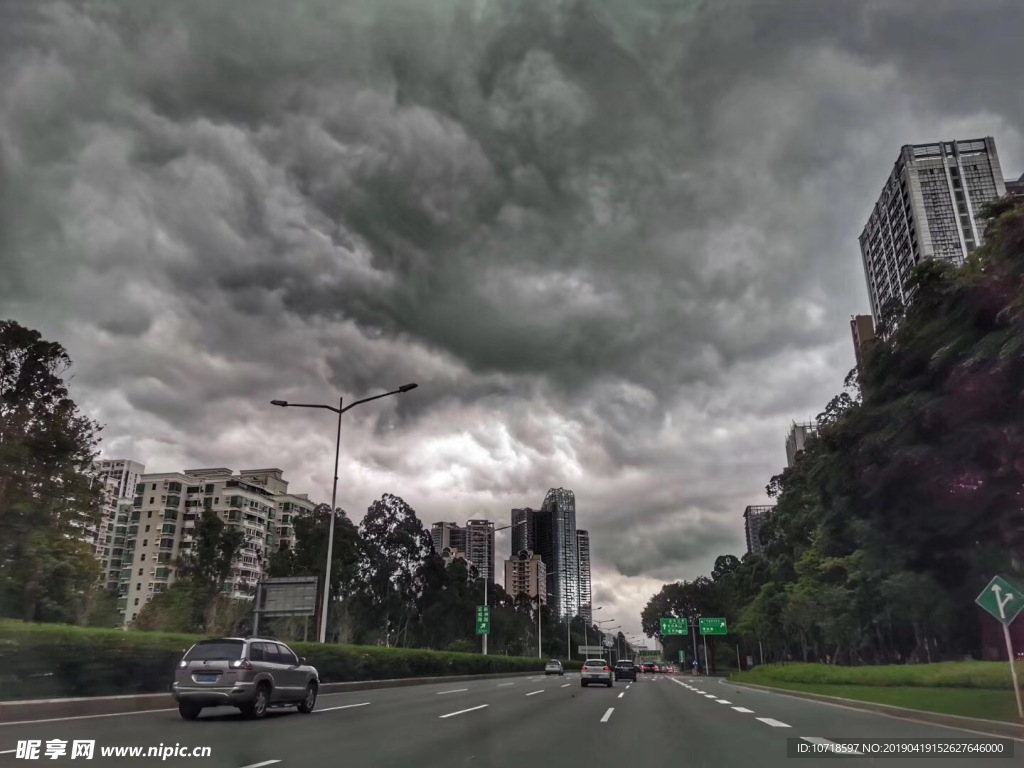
x: 949, y: 674
x: 53, y: 660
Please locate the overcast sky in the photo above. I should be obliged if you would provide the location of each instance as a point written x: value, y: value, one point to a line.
x: 615, y: 243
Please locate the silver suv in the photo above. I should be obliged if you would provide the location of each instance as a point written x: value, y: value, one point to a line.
x: 251, y: 673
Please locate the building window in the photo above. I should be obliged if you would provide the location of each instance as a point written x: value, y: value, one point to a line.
x: 137, y: 599
x: 138, y: 587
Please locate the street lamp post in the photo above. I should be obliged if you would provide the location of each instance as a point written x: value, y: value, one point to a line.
x: 586, y: 637
x: 486, y: 570
x: 334, y: 488
x: 599, y: 623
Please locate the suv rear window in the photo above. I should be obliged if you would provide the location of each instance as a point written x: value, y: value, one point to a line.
x: 595, y: 663
x: 215, y: 650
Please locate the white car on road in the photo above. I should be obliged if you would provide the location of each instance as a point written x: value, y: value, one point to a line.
x: 553, y: 667
x: 596, y: 671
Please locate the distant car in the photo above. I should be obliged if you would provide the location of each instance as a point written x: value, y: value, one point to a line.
x: 648, y: 666
x: 624, y: 670
x: 595, y: 671
x: 252, y: 674
x: 638, y: 667
x: 553, y: 667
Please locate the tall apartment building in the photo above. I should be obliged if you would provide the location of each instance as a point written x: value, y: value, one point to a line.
x: 558, y: 546
x: 525, y: 574
x: 480, y: 547
x: 118, y: 478
x: 583, y: 549
x: 524, y: 530
x: 862, y: 329
x: 551, y: 533
x: 928, y: 209
x: 753, y: 518
x: 797, y: 439
x: 448, y: 536
x: 162, y: 520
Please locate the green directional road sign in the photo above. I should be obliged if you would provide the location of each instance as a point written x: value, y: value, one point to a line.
x: 483, y: 620
x: 682, y: 657
x: 650, y: 654
x: 674, y: 627
x: 713, y: 627
x: 1002, y: 599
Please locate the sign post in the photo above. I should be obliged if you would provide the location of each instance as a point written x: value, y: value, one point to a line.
x: 483, y: 620
x: 1004, y: 601
x: 714, y: 626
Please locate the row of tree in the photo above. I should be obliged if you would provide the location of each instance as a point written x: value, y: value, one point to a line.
x: 893, y: 519
x: 388, y: 587
x: 47, y: 499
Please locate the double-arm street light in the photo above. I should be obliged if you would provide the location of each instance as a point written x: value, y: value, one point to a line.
x: 340, y: 409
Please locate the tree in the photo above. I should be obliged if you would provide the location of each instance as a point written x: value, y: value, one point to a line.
x: 46, y: 450
x: 309, y: 556
x: 395, y: 548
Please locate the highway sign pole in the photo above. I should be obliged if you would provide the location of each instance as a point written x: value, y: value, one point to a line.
x: 1004, y: 601
x: 485, y: 603
x: 1013, y: 669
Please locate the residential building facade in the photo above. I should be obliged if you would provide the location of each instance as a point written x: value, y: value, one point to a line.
x: 163, y: 516
x: 525, y: 574
x: 797, y: 439
x: 929, y: 208
x: 480, y: 547
x: 448, y: 536
x: 753, y: 518
x: 558, y: 546
x: 583, y: 548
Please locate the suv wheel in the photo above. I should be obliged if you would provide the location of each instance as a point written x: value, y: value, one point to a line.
x: 257, y: 708
x: 309, y: 701
x: 189, y: 710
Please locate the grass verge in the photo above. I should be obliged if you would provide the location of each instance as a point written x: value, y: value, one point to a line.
x: 983, y: 703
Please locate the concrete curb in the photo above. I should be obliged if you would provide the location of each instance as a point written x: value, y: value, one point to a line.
x: 987, y: 727
x: 93, y: 706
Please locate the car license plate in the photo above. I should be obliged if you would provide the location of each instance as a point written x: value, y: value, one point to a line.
x: 206, y: 678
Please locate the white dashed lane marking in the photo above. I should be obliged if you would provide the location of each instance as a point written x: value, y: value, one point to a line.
x: 607, y: 715
x: 463, y: 711
x: 773, y: 723
x: 744, y: 710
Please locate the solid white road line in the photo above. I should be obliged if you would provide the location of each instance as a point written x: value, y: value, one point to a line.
x: 744, y: 710
x: 773, y: 723
x: 456, y: 690
x: 463, y: 711
x: 826, y: 743
x: 608, y: 715
x: 260, y: 765
x: 343, y: 706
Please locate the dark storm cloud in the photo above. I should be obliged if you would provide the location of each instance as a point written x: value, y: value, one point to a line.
x: 614, y: 242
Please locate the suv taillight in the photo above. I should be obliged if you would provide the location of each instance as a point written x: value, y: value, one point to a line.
x: 584, y: 667
x: 607, y: 669
x: 242, y: 664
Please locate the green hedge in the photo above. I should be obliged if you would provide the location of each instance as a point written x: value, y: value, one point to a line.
x: 948, y: 674
x: 54, y: 660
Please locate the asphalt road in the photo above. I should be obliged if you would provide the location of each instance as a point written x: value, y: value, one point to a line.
x: 526, y: 723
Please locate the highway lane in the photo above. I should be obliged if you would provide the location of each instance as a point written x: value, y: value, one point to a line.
x: 496, y: 723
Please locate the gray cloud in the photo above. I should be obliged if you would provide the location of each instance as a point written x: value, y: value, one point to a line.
x: 614, y: 242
